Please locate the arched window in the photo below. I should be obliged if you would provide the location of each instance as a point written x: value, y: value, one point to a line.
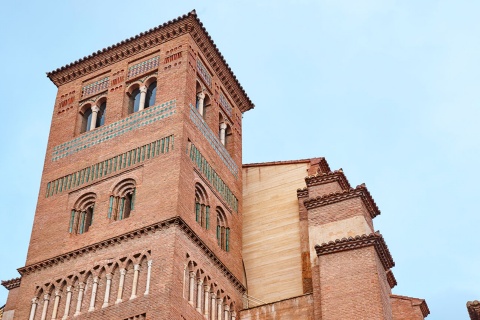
x: 151, y: 94
x: 134, y: 101
x: 223, y: 231
x: 101, y: 114
x: 122, y: 201
x: 202, y: 209
x: 93, y: 116
x: 81, y: 217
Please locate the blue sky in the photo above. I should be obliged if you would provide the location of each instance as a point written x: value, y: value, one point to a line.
x: 386, y: 90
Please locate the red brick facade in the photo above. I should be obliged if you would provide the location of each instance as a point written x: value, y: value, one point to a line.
x: 141, y: 217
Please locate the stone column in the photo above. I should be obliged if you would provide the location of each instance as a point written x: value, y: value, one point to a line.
x: 33, y: 308
x: 226, y: 312
x: 219, y: 308
x: 67, y: 304
x: 234, y: 315
x: 191, y: 284
x: 107, y: 290
x: 80, y: 297
x: 199, y: 295
x: 94, y: 294
x: 93, y: 121
x: 206, y: 301
x: 143, y: 94
x: 55, y: 304
x: 136, y: 270
x: 201, y: 97
x: 149, y: 274
x: 223, y: 127
x: 120, y: 285
x: 213, y: 306
x: 46, y: 298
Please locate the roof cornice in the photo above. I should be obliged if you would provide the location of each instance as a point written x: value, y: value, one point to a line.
x: 188, y: 23
x: 335, y: 176
x: 175, y: 221
x: 421, y: 303
x: 359, y: 191
x: 391, y: 279
x: 12, y: 283
x: 374, y: 239
x: 473, y: 308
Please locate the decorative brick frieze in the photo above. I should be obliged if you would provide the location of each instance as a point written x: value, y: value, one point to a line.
x: 140, y: 232
x: 112, y: 165
x: 213, y: 140
x: 360, y: 191
x: 108, y: 132
x: 142, y: 316
x: 95, y: 87
x: 212, y: 177
x: 225, y: 105
x: 336, y: 176
x: 12, y: 283
x: 473, y: 308
x: 391, y: 279
x: 302, y: 193
x: 143, y: 67
x: 204, y: 74
x: 374, y: 239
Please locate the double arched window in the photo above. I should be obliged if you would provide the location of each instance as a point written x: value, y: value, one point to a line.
x: 202, y: 102
x: 202, y: 209
x: 81, y: 217
x: 142, y: 97
x: 93, y: 116
x: 223, y: 231
x: 122, y: 201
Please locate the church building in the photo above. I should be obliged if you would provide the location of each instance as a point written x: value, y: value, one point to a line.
x: 145, y: 210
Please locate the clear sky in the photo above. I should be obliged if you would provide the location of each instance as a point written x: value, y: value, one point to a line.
x: 388, y: 90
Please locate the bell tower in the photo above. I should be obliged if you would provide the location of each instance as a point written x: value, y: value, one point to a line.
x: 139, y: 209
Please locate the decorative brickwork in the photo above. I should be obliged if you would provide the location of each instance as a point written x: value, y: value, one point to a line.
x: 373, y: 239
x: 336, y: 176
x: 12, y: 283
x: 212, y: 176
x: 225, y: 105
x: 108, y: 132
x: 143, y: 67
x: 213, y: 140
x: 302, y: 193
x: 391, y: 279
x: 473, y: 308
x: 95, y: 87
x: 360, y: 191
x: 109, y: 166
x: 205, y: 75
x: 142, y: 316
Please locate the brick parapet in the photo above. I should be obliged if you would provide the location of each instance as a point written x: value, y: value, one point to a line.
x: 415, y: 302
x: 12, y: 283
x: 374, y: 239
x: 359, y: 192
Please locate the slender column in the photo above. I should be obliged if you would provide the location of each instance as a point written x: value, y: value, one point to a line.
x: 149, y: 274
x: 201, y: 97
x: 93, y: 121
x: 234, y: 315
x: 46, y: 298
x: 219, y: 309
x: 33, y: 308
x: 55, y: 304
x: 107, y: 290
x: 136, y: 269
x: 199, y: 295
x: 120, y: 285
x: 143, y: 94
x: 213, y: 306
x: 206, y: 301
x: 223, y: 127
x: 94, y: 294
x: 226, y: 312
x: 191, y: 285
x: 80, y: 297
x: 67, y: 304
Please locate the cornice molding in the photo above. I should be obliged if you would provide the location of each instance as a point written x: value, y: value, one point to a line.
x: 175, y: 221
x: 12, y: 283
x: 335, y: 176
x: 188, y: 23
x: 302, y: 193
x: 391, y: 279
x: 473, y: 308
x: 374, y: 239
x: 359, y: 191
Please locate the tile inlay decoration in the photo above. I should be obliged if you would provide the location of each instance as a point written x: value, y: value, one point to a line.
x: 112, y: 165
x: 213, y: 140
x: 95, y: 87
x: 104, y: 133
x: 143, y: 67
x: 204, y: 73
x: 225, y: 105
x: 213, y: 177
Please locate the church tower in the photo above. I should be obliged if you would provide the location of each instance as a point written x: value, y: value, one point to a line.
x: 138, y: 214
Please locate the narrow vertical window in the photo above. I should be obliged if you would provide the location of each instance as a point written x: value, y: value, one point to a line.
x: 151, y: 93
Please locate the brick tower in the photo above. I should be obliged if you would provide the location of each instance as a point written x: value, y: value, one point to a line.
x: 138, y: 210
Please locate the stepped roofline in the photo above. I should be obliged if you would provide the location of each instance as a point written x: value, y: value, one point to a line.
x: 188, y: 23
